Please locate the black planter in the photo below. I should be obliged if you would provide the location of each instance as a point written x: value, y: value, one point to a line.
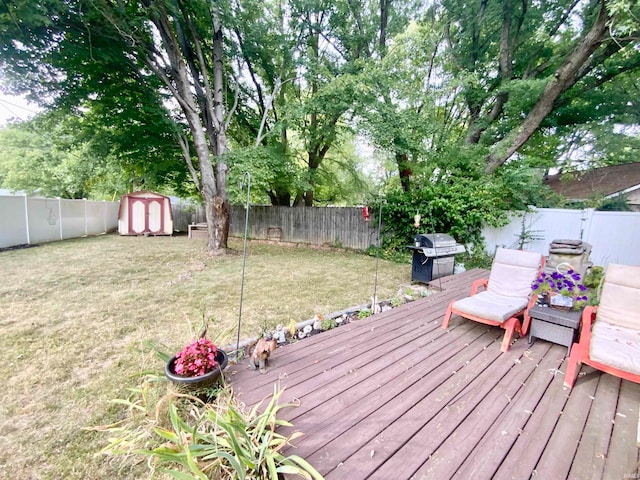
x: 202, y: 381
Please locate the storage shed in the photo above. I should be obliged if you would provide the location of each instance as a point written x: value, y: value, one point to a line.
x: 145, y: 213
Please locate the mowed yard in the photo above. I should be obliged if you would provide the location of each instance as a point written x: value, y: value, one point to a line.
x: 75, y: 316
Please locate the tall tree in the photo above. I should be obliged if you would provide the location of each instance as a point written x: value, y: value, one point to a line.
x: 338, y: 39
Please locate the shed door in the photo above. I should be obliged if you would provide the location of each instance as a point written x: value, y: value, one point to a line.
x: 146, y: 215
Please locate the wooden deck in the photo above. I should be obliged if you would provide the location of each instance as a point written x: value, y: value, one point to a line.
x: 397, y: 397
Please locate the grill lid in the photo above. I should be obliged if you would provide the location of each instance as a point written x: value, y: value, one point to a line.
x: 432, y: 240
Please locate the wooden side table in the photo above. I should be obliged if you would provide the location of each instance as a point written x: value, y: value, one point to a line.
x: 554, y: 325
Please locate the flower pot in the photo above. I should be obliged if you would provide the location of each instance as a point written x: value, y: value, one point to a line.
x: 561, y: 302
x: 202, y: 381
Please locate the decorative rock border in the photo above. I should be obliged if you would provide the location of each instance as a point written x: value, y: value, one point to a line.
x: 305, y: 328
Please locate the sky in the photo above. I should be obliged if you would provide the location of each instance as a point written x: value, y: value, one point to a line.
x: 15, y: 108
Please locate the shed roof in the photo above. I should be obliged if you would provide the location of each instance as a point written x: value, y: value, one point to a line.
x: 145, y: 194
x: 605, y: 181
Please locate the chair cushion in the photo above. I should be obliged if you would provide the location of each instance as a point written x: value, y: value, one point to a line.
x: 491, y: 306
x: 620, y: 297
x: 616, y: 346
x: 513, y: 271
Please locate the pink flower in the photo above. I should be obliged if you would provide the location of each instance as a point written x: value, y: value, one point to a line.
x: 197, y: 358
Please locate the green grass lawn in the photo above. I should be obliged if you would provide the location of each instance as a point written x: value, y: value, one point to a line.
x: 74, y: 316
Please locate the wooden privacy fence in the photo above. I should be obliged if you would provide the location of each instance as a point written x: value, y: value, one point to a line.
x: 329, y: 226
x: 614, y: 235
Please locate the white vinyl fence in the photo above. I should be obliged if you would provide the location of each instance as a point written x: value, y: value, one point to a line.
x: 27, y: 220
x: 614, y: 236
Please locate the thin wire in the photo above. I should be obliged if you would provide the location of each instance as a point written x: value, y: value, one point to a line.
x: 244, y: 259
x: 375, y: 284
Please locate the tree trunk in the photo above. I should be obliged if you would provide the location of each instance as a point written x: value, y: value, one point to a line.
x: 404, y: 170
x: 218, y: 208
x: 280, y: 196
x: 204, y: 110
x: 217, y: 213
x: 564, y: 78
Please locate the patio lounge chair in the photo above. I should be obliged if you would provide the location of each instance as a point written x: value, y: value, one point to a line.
x: 610, y: 335
x: 507, y: 296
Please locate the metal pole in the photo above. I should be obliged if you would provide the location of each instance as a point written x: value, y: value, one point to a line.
x: 435, y: 249
x: 375, y: 284
x: 244, y: 258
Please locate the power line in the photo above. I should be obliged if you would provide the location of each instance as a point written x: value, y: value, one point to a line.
x: 7, y: 105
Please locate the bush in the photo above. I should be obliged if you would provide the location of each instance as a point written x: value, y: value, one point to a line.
x: 460, y: 209
x: 476, y: 256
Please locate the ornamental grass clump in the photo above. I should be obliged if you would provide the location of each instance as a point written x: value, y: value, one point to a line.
x: 196, y: 359
x: 566, y: 284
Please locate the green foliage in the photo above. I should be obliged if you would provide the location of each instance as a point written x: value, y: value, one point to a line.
x: 53, y: 165
x: 364, y: 313
x: 593, y: 277
x: 460, y: 209
x: 617, y: 204
x: 305, y: 73
x: 396, y: 302
x: 189, y: 439
x: 476, y: 256
x: 329, y: 323
x: 225, y: 443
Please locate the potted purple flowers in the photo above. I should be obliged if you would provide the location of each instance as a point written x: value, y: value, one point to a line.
x: 561, y: 290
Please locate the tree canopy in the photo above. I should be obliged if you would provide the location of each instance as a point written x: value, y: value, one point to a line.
x: 189, y: 95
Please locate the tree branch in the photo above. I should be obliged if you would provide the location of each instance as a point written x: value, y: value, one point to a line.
x: 184, y: 146
x: 563, y: 79
x: 270, y: 99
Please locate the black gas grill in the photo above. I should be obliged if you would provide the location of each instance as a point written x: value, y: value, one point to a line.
x: 433, y: 256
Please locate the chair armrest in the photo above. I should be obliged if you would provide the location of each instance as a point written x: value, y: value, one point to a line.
x: 588, y: 316
x: 482, y: 282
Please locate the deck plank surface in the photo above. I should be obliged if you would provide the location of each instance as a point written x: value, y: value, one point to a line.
x: 396, y: 396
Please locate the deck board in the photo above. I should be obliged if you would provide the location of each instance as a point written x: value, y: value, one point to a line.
x: 396, y: 396
x: 496, y: 443
x: 594, y: 444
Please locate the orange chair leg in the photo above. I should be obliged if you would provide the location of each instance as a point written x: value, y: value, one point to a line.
x: 447, y: 316
x: 573, y: 366
x: 511, y: 326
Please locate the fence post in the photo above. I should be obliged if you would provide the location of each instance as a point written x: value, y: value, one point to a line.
x: 587, y: 221
x: 26, y: 216
x: 60, y: 217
